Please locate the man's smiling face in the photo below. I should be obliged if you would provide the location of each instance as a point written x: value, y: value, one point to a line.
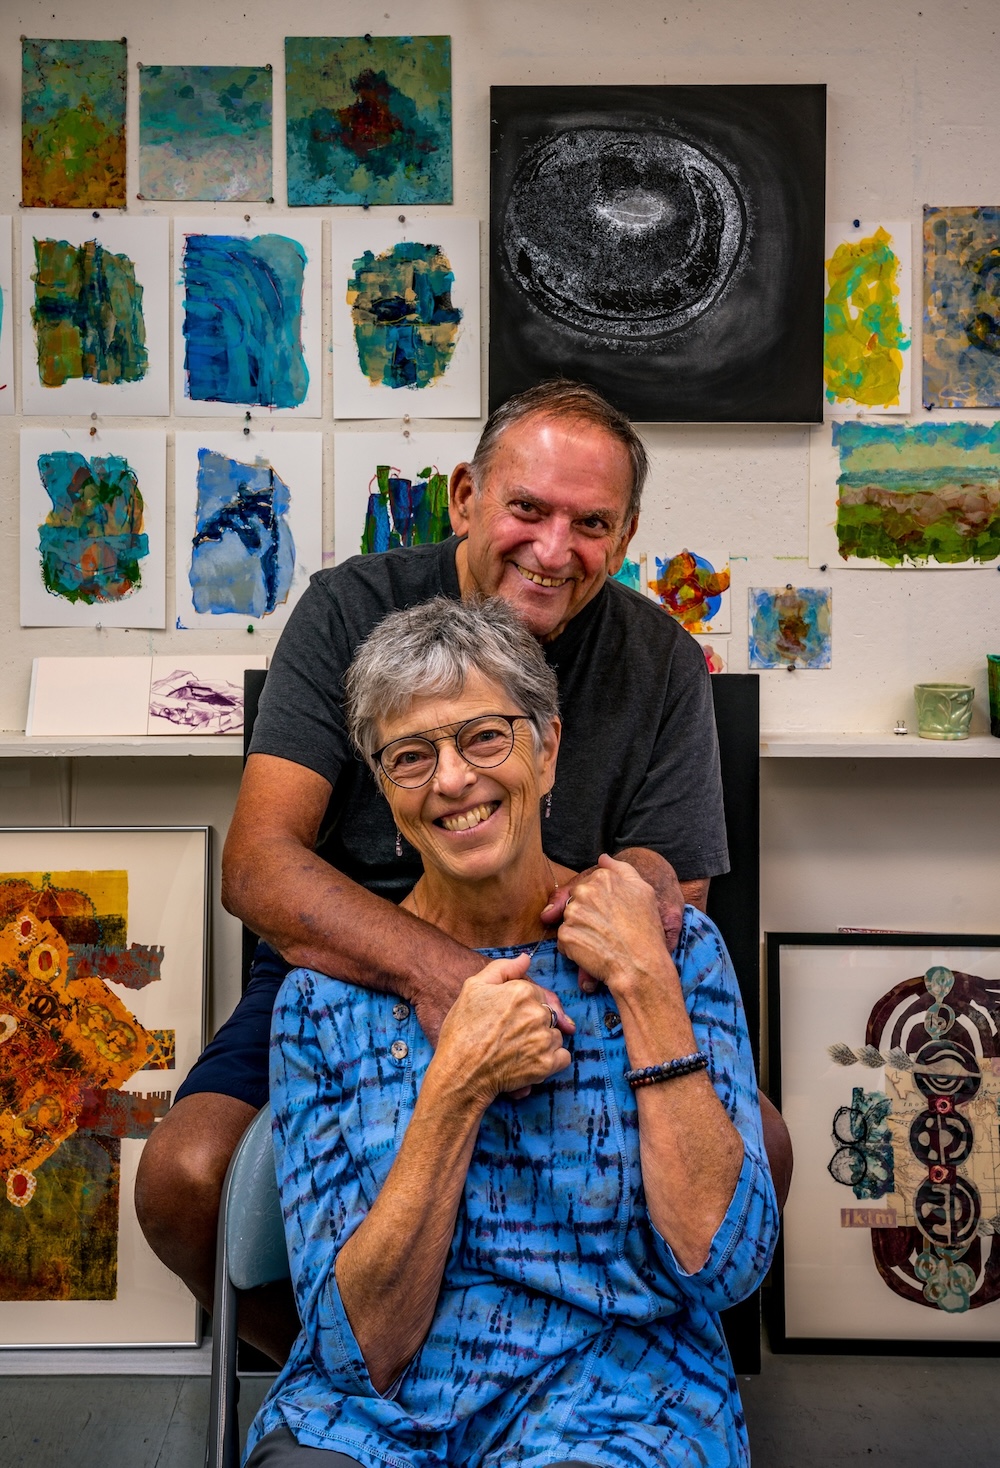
x: 548, y: 524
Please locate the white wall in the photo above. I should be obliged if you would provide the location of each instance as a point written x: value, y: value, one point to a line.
x: 912, y: 121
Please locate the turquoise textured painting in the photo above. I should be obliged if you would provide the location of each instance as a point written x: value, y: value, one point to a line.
x: 205, y: 133
x: 369, y: 119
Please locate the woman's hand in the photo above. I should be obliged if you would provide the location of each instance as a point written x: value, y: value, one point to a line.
x: 499, y: 1036
x: 611, y: 928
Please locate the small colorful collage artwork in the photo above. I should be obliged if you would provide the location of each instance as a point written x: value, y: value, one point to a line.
x: 789, y: 627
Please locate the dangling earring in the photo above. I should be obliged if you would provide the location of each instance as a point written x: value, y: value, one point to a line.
x: 399, y: 843
x: 548, y: 804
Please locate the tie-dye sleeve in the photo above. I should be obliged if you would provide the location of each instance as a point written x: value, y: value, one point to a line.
x: 322, y: 1199
x: 741, y: 1250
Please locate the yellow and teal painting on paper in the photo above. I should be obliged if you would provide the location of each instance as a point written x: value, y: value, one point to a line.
x: 205, y: 133
x: 72, y: 124
x: 405, y: 323
x: 866, y: 329
x: 962, y: 307
x: 87, y: 314
x: 369, y: 119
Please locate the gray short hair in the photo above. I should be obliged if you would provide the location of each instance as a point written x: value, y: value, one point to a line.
x: 560, y: 397
x: 432, y: 649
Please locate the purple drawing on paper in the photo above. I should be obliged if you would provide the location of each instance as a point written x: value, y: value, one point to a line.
x: 200, y: 705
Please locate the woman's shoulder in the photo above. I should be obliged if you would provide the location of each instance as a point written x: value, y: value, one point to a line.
x: 307, y: 992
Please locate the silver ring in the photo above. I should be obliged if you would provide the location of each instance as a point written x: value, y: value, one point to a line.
x: 553, y: 1018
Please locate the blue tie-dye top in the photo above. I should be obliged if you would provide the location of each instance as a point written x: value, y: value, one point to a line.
x: 565, y: 1328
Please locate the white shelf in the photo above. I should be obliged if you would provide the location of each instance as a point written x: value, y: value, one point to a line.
x: 781, y: 745
x: 226, y: 746
x: 875, y: 746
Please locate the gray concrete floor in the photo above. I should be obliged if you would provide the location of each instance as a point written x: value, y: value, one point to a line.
x: 803, y: 1412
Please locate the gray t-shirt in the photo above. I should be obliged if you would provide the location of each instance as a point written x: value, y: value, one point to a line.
x: 638, y: 762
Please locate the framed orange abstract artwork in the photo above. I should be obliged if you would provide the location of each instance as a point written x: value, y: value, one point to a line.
x: 102, y: 993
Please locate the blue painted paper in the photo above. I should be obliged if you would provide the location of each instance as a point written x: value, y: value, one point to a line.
x: 242, y: 553
x: 243, y: 320
x: 92, y: 540
x: 790, y: 626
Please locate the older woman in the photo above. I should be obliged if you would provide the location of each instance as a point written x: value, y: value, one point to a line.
x: 513, y: 1249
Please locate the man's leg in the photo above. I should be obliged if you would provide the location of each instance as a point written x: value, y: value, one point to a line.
x: 183, y: 1165
x: 280, y: 1450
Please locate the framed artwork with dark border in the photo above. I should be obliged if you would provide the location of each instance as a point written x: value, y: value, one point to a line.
x: 664, y: 244
x: 103, y: 945
x: 885, y: 1063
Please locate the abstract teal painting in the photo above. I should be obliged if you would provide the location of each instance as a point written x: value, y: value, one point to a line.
x: 630, y: 575
x: 205, y: 132
x: 962, y: 307
x: 368, y: 119
x: 92, y: 527
x: 92, y: 542
x: 790, y: 627
x: 242, y: 320
x: 72, y: 124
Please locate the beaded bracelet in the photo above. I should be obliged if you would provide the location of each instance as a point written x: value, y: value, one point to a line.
x: 684, y: 1065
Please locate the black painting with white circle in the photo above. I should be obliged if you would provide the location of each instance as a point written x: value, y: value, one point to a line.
x: 626, y: 234
x: 662, y: 243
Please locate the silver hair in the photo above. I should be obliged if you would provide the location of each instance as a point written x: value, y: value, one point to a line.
x: 432, y: 649
x: 560, y: 397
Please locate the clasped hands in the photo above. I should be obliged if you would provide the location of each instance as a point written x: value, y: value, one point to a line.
x: 499, y: 1037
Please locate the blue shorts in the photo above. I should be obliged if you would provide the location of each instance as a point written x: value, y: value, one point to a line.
x: 235, y: 1062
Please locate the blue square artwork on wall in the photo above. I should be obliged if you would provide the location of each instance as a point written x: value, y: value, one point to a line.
x: 790, y: 626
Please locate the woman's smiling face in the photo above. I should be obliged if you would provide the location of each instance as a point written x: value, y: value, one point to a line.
x: 470, y: 823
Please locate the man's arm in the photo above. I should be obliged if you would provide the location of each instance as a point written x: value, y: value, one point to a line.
x: 671, y: 895
x: 312, y: 914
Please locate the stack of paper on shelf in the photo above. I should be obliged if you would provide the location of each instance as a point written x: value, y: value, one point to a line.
x: 119, y: 697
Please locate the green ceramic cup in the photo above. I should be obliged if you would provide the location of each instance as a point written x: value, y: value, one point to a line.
x: 993, y: 677
x: 944, y: 710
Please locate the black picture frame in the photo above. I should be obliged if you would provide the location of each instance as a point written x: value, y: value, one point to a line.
x: 664, y: 244
x: 783, y: 1337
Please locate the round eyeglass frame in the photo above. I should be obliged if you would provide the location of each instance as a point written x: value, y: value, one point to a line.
x: 491, y: 764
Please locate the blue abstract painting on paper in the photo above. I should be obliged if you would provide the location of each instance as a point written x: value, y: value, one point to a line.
x: 243, y: 320
x: 242, y: 553
x: 790, y: 626
x: 92, y: 540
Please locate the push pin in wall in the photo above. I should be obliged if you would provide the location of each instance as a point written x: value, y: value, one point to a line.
x: 791, y: 667
x: 246, y: 426
x: 406, y: 421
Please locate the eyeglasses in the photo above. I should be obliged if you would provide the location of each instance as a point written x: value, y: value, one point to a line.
x: 483, y: 742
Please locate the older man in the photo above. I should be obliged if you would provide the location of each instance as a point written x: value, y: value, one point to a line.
x: 313, y: 863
